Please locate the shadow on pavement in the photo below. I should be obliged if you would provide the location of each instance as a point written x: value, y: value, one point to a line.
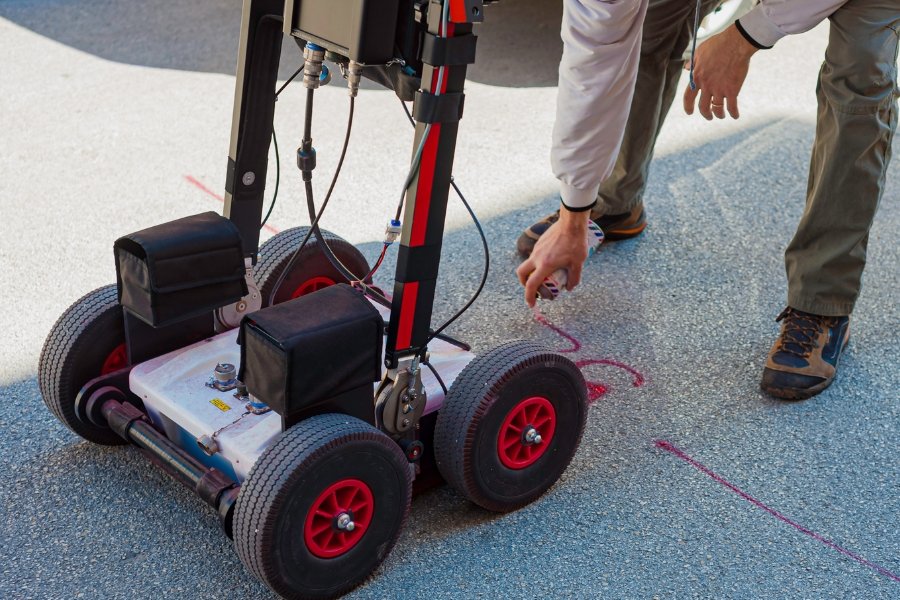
x: 686, y: 305
x: 519, y: 42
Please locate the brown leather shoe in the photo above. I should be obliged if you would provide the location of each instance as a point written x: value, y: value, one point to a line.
x: 615, y: 227
x: 804, y: 359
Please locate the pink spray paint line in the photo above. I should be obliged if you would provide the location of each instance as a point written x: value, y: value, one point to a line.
x: 197, y: 184
x: 576, y: 345
x: 672, y: 449
x: 595, y: 389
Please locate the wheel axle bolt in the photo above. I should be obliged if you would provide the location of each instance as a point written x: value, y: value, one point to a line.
x: 532, y: 436
x: 345, y: 523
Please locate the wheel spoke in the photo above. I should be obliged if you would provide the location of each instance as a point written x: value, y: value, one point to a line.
x: 510, y: 441
x: 344, y: 495
x: 320, y: 527
x: 341, y: 538
x: 521, y: 418
x: 326, y: 543
x: 519, y: 451
x: 333, y: 502
x: 531, y: 412
x: 541, y: 421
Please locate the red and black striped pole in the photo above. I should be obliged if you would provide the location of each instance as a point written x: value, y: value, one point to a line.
x: 426, y: 197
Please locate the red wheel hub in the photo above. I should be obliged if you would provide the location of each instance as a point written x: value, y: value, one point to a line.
x: 117, y: 359
x: 526, y: 432
x: 311, y: 285
x: 338, y: 518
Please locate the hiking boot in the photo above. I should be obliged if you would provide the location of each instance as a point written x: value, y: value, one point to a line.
x: 615, y: 227
x: 804, y: 359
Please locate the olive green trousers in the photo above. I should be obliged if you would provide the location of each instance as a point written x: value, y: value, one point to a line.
x: 857, y: 116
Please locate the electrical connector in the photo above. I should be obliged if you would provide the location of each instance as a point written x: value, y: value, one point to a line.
x: 392, y: 231
x: 312, y: 68
x: 354, y: 75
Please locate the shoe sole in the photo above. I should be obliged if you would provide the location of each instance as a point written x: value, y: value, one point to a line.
x: 796, y: 393
x: 624, y: 234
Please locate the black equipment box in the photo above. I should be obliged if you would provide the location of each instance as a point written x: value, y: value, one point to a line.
x: 180, y: 269
x: 314, y: 348
x: 361, y: 30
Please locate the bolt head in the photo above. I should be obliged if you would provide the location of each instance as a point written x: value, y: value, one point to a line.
x: 345, y: 523
x: 532, y: 436
x: 248, y: 178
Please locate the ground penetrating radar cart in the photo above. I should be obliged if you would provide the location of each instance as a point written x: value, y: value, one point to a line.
x: 276, y: 381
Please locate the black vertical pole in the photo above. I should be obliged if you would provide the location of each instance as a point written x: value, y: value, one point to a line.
x: 426, y: 198
x: 254, y: 111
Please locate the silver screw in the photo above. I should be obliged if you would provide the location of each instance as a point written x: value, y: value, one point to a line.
x: 248, y: 178
x: 532, y: 436
x: 405, y: 423
x: 345, y: 523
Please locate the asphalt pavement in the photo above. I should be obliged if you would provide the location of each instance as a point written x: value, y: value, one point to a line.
x: 689, y: 482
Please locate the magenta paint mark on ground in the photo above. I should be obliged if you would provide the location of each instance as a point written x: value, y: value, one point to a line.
x: 576, y: 345
x: 672, y: 449
x: 197, y: 184
x: 595, y: 389
x: 637, y: 379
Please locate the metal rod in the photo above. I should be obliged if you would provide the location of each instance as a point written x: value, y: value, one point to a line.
x: 132, y: 424
x: 175, y: 461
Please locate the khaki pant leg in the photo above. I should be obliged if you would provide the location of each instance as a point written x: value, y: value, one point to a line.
x: 857, y: 116
x: 667, y: 32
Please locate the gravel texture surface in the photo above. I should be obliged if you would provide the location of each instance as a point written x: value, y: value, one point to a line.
x: 108, y: 107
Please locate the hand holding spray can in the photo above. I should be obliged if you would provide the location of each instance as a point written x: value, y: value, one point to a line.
x: 556, y: 282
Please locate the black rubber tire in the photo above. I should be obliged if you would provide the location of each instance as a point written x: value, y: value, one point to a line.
x: 282, y: 486
x: 74, y: 353
x: 469, y: 422
x: 276, y: 253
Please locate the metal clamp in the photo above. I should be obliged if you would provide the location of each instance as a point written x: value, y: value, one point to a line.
x: 229, y: 317
x: 401, y: 398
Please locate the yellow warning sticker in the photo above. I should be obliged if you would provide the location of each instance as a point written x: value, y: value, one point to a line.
x: 217, y: 402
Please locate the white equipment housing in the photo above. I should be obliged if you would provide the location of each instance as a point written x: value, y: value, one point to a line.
x: 174, y: 390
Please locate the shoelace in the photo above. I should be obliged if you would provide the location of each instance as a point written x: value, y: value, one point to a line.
x: 801, y: 331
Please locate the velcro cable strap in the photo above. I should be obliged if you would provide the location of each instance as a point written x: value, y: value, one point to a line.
x: 446, y: 108
x: 420, y: 263
x: 454, y: 51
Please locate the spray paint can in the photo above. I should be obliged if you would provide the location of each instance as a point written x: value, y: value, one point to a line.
x: 556, y: 282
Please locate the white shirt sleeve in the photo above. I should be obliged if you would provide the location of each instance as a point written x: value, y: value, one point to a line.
x: 601, y: 49
x: 771, y: 20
